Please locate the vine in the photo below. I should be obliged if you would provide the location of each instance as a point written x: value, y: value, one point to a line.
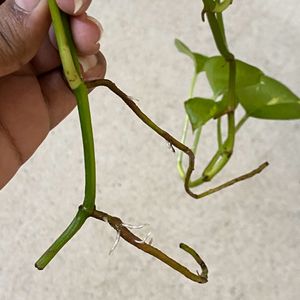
x: 233, y: 83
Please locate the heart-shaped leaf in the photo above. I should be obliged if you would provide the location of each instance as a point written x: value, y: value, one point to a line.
x: 200, y: 111
x: 217, y: 72
x: 198, y: 59
x: 270, y: 99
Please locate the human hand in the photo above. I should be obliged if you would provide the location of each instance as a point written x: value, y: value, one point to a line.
x: 34, y: 96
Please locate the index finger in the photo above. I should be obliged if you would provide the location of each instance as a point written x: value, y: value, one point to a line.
x: 74, y: 7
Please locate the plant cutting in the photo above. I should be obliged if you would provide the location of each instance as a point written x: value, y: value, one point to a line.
x: 233, y: 82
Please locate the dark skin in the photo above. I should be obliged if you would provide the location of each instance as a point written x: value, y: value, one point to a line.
x: 34, y: 96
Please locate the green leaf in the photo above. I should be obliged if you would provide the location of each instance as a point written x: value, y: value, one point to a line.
x: 200, y: 111
x: 221, y: 106
x: 217, y: 72
x: 270, y: 99
x: 198, y: 59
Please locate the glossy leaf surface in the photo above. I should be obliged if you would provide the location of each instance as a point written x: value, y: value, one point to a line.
x: 270, y: 99
x: 217, y: 72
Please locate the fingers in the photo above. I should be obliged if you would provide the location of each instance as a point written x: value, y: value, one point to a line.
x: 86, y: 33
x: 23, y: 29
x: 25, y: 121
x: 74, y: 7
x: 46, y: 59
x: 60, y: 99
x: 23, y: 115
x: 23, y: 26
x: 86, y: 30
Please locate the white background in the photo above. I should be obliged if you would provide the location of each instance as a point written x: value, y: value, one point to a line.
x: 248, y: 234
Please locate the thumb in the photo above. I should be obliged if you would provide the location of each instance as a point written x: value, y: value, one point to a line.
x: 23, y: 26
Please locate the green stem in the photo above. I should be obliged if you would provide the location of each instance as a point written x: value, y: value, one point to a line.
x: 219, y: 37
x: 219, y: 133
x: 71, y: 69
x: 222, y: 5
x: 221, y: 157
x: 219, y: 16
x: 65, y: 45
x: 197, y: 135
x: 88, y: 147
x: 193, y: 85
x: 223, y: 154
x: 241, y: 122
x: 71, y: 230
x: 180, y: 168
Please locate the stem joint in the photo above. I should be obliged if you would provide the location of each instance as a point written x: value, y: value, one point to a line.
x: 86, y: 211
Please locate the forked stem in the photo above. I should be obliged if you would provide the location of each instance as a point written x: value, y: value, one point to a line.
x: 72, y: 73
x: 170, y: 139
x: 87, y: 209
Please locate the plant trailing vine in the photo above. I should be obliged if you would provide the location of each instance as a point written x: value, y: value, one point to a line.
x: 233, y: 83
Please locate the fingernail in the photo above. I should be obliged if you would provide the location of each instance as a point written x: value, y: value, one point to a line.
x: 27, y: 5
x: 95, y: 21
x: 77, y: 5
x: 88, y: 62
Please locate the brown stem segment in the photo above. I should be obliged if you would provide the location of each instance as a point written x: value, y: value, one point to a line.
x: 170, y: 139
x: 235, y: 180
x: 132, y: 239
